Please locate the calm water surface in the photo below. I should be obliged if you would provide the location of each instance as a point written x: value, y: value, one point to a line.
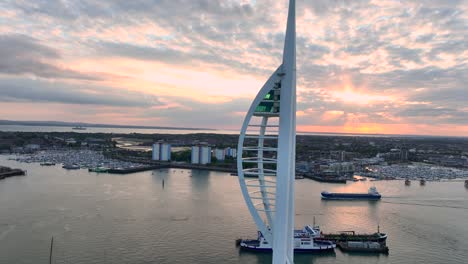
x: 102, y: 218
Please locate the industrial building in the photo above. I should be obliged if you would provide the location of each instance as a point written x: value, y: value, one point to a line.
x: 220, y: 154
x: 231, y: 152
x: 201, y: 155
x: 161, y: 151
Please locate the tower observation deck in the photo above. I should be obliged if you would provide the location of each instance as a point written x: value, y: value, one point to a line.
x: 266, y: 152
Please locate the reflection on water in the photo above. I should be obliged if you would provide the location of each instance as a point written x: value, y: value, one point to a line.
x: 264, y: 258
x: 197, y: 216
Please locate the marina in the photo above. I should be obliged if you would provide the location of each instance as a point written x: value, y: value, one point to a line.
x: 415, y: 171
x: 75, y: 159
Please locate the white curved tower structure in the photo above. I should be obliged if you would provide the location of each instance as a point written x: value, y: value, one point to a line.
x: 267, y: 151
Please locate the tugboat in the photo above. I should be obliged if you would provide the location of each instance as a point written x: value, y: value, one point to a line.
x: 372, y: 194
x: 304, y: 242
x: 407, y: 182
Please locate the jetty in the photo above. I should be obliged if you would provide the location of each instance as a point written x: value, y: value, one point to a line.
x: 325, y: 179
x: 136, y: 169
x: 6, y: 172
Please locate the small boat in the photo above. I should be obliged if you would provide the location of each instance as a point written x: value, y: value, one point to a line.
x: 47, y: 163
x: 466, y: 183
x: 71, y: 166
x: 79, y: 128
x: 303, y: 242
x: 372, y: 194
x: 363, y: 179
x: 422, y: 182
x: 407, y: 182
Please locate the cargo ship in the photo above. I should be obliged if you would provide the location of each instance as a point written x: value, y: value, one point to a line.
x: 373, y: 194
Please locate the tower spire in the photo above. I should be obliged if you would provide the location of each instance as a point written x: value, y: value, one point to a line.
x: 283, y: 233
x: 271, y: 124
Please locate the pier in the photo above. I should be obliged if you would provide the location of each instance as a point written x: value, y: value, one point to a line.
x: 175, y: 165
x: 324, y: 179
x: 136, y: 169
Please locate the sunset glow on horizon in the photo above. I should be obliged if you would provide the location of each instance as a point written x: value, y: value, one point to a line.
x: 378, y: 67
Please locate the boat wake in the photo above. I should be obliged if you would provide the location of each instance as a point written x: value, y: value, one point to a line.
x: 429, y: 205
x: 5, y: 232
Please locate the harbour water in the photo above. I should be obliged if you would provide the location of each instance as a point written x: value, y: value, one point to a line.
x: 196, y: 217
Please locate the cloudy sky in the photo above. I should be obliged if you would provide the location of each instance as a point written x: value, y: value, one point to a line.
x: 381, y: 66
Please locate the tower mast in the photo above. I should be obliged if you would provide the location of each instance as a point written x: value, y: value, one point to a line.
x: 270, y: 127
x: 283, y: 234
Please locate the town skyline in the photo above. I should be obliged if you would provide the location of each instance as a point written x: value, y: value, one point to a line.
x: 363, y: 67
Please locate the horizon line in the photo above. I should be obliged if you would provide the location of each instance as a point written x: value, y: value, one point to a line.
x: 100, y: 125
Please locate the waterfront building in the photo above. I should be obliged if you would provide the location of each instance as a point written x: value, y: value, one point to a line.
x: 404, y: 154
x: 70, y: 141
x: 161, y: 151
x: 201, y: 155
x: 342, y: 168
x: 195, y: 155
x: 269, y: 152
x: 219, y: 154
x: 155, y: 153
x: 165, y: 153
x: 231, y: 152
